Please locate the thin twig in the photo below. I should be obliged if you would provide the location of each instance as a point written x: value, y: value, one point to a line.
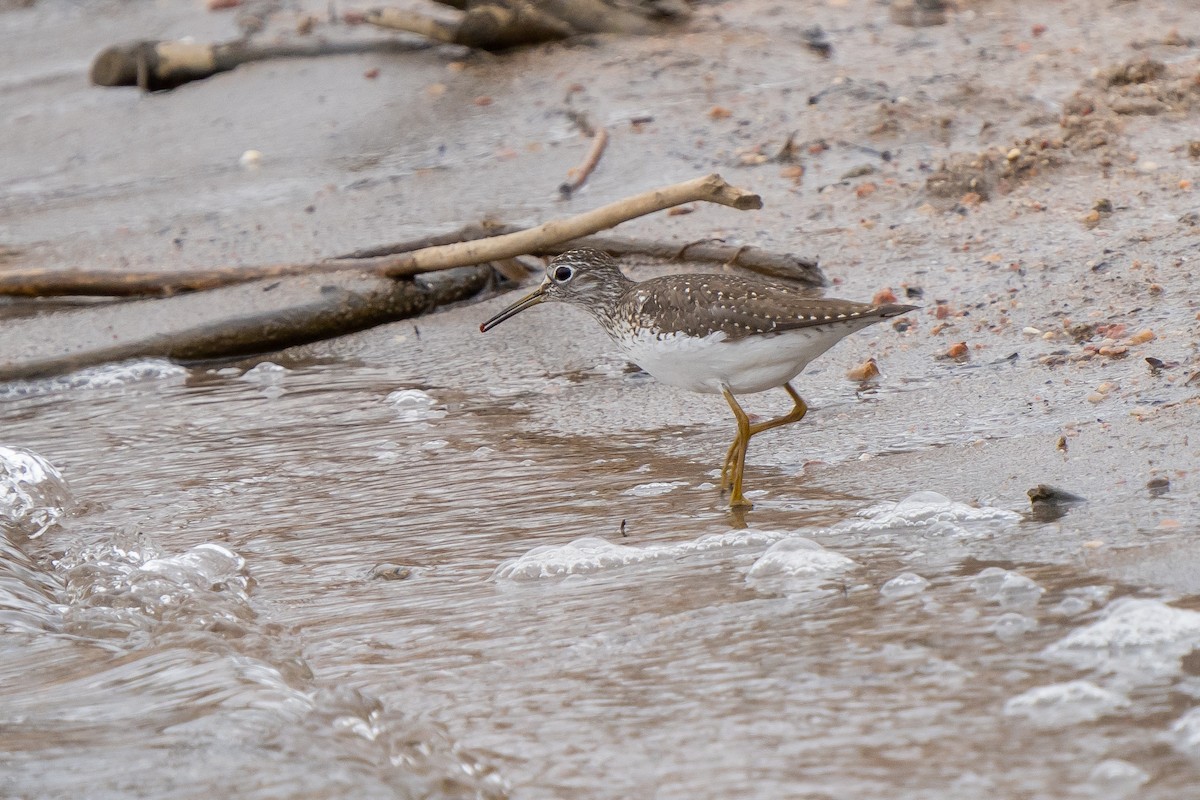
x: 578, y: 175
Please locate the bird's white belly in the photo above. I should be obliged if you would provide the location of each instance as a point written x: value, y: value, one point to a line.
x: 746, y: 365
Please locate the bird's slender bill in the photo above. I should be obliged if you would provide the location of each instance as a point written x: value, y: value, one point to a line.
x: 530, y: 300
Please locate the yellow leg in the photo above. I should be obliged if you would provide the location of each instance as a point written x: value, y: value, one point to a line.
x: 733, y: 470
x: 735, y: 459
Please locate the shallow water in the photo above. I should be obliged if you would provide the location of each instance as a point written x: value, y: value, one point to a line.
x: 329, y: 579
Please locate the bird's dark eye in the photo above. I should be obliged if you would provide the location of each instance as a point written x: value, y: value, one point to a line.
x: 563, y: 274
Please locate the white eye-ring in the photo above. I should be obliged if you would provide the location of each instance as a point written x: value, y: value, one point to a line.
x: 563, y: 273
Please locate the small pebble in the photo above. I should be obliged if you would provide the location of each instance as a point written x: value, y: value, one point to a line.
x: 251, y: 159
x: 864, y: 371
x: 1142, y: 336
x: 390, y: 572
x: 957, y: 351
x: 1158, y: 486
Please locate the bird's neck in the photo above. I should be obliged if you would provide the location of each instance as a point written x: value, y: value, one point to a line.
x: 604, y: 301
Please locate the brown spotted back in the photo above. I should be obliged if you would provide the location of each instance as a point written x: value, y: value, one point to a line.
x: 739, y: 306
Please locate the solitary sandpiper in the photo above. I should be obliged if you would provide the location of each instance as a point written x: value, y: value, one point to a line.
x: 719, y: 334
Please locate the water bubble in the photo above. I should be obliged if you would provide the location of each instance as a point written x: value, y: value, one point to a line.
x: 1071, y: 607
x: 414, y: 405
x: 116, y: 588
x: 1114, y: 779
x: 580, y: 557
x: 797, y: 556
x: 33, y: 494
x: 208, y: 566
x: 1012, y: 626
x: 906, y: 584
x: 591, y: 554
x: 265, y: 372
x: 1010, y: 589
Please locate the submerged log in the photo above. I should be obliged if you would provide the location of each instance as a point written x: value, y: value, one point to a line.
x: 233, y: 321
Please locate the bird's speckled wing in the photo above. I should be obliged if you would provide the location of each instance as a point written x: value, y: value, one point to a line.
x: 740, y: 307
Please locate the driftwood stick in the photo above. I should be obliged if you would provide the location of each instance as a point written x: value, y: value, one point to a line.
x: 49, y: 283
x: 503, y: 24
x: 754, y: 259
x: 397, y: 19
x: 155, y: 66
x: 577, y: 176
x: 468, y: 232
x: 711, y: 188
x: 492, y: 26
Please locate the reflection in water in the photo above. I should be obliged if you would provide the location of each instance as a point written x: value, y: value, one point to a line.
x: 319, y: 581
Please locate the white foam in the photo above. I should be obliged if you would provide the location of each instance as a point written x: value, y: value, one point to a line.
x: 591, y: 554
x: 33, y: 494
x: 1141, y: 639
x: 105, y: 376
x: 654, y: 489
x: 1060, y: 705
x: 414, y: 405
x: 931, y: 511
